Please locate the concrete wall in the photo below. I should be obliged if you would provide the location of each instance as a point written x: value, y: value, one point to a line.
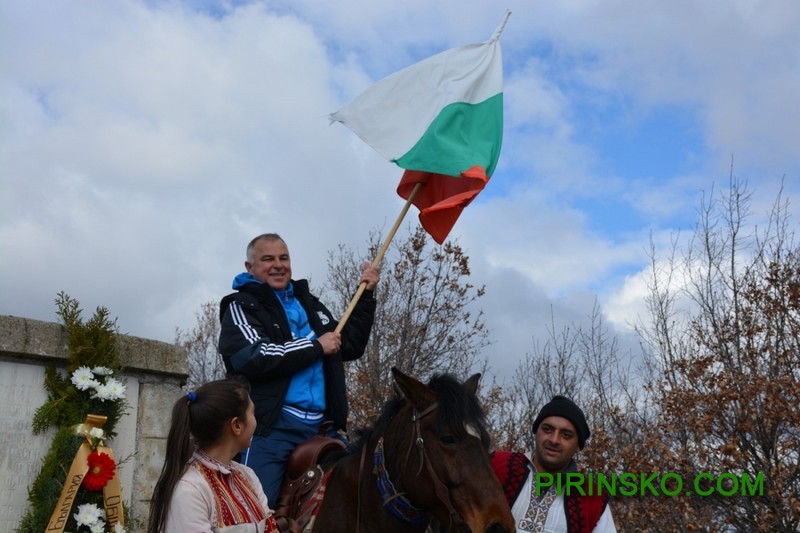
x: 154, y: 374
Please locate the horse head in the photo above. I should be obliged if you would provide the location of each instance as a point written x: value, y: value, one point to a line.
x: 439, y: 448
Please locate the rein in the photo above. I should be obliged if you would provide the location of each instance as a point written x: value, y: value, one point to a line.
x: 440, y: 488
x: 396, y: 502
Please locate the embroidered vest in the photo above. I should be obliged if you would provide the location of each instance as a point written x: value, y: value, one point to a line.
x: 512, y: 469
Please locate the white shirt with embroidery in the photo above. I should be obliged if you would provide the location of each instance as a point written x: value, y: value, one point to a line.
x: 556, y: 521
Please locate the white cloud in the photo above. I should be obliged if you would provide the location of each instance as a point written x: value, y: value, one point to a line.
x: 144, y: 144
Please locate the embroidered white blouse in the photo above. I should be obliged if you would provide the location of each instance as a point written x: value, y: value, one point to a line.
x: 213, y: 497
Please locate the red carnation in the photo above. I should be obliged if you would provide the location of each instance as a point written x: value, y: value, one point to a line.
x: 101, y: 470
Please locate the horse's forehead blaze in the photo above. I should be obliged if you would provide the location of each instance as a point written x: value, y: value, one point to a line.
x: 472, y: 430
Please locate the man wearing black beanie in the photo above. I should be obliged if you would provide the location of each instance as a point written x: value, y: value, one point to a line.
x: 560, y: 430
x: 565, y: 409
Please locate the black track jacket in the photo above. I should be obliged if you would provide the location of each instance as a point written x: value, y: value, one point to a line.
x: 256, y: 342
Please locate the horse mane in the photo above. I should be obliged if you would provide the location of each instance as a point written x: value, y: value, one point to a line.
x: 457, y: 408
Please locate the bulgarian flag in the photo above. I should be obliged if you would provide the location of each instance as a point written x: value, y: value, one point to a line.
x: 442, y: 121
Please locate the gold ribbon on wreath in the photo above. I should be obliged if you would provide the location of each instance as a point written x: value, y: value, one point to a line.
x: 112, y: 492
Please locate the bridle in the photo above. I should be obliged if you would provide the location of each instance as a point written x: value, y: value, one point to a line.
x: 396, y: 502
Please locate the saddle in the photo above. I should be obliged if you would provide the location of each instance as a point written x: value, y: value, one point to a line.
x: 303, y: 476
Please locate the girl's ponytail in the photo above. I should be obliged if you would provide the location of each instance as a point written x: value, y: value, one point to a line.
x: 198, y: 418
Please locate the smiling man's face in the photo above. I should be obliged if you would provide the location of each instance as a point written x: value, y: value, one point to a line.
x: 270, y: 263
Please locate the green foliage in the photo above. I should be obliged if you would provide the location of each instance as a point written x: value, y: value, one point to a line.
x: 92, y: 344
x: 59, y: 409
x: 46, y: 489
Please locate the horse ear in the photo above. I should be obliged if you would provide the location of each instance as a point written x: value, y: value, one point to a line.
x: 472, y: 384
x: 413, y: 391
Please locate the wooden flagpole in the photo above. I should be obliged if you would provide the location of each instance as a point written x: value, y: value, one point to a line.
x: 379, y: 257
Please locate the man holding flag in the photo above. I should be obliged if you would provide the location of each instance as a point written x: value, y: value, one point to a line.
x: 442, y: 121
x: 281, y: 338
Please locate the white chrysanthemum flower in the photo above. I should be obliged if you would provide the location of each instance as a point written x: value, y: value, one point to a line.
x: 101, y: 392
x: 83, y: 379
x: 88, y: 514
x: 97, y: 433
x: 116, y: 389
x: 119, y: 528
x: 98, y: 527
x: 102, y: 371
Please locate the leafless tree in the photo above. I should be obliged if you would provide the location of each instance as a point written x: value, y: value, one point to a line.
x: 581, y: 362
x: 425, y: 322
x: 719, y: 388
x: 724, y: 350
x: 205, y: 362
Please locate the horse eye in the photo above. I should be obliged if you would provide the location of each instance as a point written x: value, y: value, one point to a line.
x: 448, y: 440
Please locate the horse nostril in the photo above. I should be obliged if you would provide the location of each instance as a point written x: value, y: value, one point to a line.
x: 496, y: 528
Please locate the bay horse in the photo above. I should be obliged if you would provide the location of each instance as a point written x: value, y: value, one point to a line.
x: 424, y: 463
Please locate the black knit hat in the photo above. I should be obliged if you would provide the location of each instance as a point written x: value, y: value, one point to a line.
x: 565, y: 408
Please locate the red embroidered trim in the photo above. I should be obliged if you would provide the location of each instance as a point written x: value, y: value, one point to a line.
x: 512, y: 470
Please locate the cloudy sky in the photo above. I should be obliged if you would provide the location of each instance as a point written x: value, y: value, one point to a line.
x: 143, y: 143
